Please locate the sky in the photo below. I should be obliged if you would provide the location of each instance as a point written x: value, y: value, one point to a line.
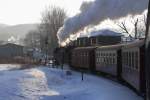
x: 14, y: 12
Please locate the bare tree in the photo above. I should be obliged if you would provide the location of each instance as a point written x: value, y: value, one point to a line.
x: 52, y: 19
x: 138, y: 27
x: 122, y: 25
x: 142, y: 26
x: 32, y: 39
x: 135, y: 23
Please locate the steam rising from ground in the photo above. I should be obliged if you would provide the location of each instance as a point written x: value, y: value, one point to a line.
x: 98, y: 11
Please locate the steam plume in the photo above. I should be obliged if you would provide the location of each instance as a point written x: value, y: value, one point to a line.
x: 98, y: 11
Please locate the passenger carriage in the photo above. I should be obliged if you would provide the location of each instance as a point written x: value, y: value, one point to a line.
x: 83, y: 58
x: 133, y: 63
x: 108, y: 60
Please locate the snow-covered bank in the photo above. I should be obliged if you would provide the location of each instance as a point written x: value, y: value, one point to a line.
x: 53, y: 84
x: 9, y: 66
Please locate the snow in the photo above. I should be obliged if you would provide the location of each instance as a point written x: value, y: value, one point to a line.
x: 9, y: 66
x: 104, y: 32
x: 45, y: 83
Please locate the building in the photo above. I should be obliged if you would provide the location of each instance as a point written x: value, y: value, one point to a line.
x: 10, y: 50
x: 82, y: 41
x: 104, y: 37
x: 98, y: 38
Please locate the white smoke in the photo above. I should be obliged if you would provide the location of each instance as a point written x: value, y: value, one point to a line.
x: 98, y: 11
x: 15, y: 40
x: 12, y: 39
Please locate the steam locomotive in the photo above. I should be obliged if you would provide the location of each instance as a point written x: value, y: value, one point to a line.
x: 125, y: 61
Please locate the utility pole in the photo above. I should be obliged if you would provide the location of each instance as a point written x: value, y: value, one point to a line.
x: 62, y: 59
x: 46, y: 44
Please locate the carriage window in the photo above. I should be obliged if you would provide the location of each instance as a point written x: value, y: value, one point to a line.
x: 114, y: 54
x: 123, y: 58
x: 100, y: 60
x: 136, y: 57
x: 126, y: 58
x: 129, y: 59
x: 104, y: 60
x: 106, y: 54
x: 110, y: 54
x: 101, y: 54
x: 113, y: 60
x: 133, y: 60
x: 97, y: 54
x: 130, y: 63
x: 107, y: 58
x: 109, y: 61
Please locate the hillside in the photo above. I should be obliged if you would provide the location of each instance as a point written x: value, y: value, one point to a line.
x: 20, y: 30
x: 3, y: 25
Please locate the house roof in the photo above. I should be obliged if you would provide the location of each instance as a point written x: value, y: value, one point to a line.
x: 105, y: 32
x: 10, y: 45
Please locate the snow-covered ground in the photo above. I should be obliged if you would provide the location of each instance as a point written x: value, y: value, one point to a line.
x: 9, y: 67
x: 44, y: 83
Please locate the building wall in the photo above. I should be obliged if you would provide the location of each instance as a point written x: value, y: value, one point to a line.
x: 105, y: 40
x: 11, y: 51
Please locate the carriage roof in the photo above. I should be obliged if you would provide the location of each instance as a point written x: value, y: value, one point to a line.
x: 89, y: 48
x: 137, y: 43
x: 117, y: 46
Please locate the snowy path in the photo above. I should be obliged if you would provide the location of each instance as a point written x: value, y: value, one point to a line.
x: 53, y: 84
